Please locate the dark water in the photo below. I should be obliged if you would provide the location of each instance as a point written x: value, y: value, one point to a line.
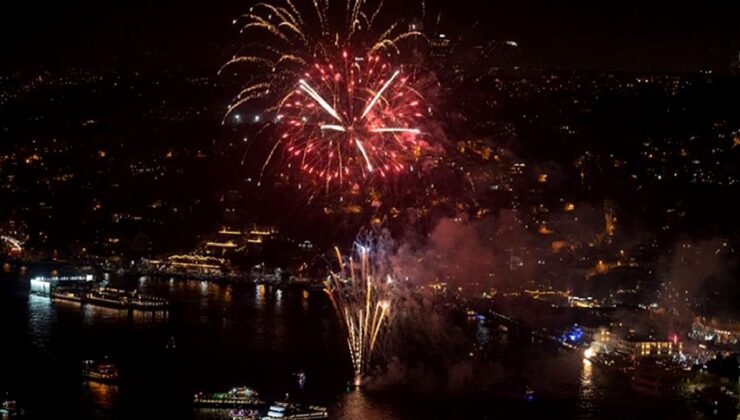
x: 259, y: 336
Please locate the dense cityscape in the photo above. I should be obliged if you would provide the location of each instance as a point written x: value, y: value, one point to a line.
x: 433, y: 220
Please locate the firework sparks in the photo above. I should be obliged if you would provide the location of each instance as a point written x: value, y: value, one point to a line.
x: 337, y: 116
x: 382, y: 137
x: 379, y: 94
x: 361, y: 295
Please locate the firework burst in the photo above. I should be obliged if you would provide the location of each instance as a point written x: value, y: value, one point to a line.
x: 361, y: 295
x: 322, y: 76
x: 352, y: 119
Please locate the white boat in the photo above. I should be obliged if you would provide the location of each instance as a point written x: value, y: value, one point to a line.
x: 288, y: 411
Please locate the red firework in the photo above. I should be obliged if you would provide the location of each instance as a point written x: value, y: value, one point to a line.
x: 358, y: 117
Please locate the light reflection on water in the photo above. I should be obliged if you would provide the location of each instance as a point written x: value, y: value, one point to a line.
x: 278, y: 300
x: 357, y: 405
x: 103, y: 396
x: 259, y: 297
x: 42, y: 317
x: 304, y: 300
x: 587, y: 393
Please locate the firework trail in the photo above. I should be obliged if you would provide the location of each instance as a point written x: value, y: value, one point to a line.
x: 361, y: 293
x: 321, y: 75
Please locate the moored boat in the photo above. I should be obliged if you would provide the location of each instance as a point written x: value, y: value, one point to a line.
x: 99, y: 371
x: 235, y: 397
x: 289, y: 411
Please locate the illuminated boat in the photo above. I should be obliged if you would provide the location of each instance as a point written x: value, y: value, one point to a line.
x: 529, y: 394
x: 121, y: 299
x: 67, y: 295
x: 235, y: 397
x: 244, y: 414
x: 10, y: 408
x: 288, y: 411
x: 99, y: 371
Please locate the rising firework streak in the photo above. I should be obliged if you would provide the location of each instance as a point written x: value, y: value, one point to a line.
x: 361, y: 295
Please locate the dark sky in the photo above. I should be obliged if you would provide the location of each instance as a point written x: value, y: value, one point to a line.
x: 626, y: 35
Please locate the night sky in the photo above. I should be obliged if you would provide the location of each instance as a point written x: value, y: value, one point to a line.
x: 626, y: 35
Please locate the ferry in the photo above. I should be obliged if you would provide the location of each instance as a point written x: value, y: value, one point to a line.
x: 235, y: 397
x: 99, y: 371
x: 121, y: 299
x: 288, y: 411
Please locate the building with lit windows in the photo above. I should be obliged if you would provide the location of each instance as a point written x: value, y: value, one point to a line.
x: 645, y: 347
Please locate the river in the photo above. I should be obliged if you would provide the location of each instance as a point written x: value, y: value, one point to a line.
x: 260, y: 336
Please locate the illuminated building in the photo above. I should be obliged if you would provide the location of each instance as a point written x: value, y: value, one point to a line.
x: 440, y: 47
x: 711, y: 330
x: 578, y: 302
x: 638, y: 347
x: 606, y: 341
x: 229, y: 240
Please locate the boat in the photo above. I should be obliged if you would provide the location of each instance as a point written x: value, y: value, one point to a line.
x: 235, y: 397
x: 66, y: 295
x: 99, y: 371
x: 529, y: 393
x: 288, y: 411
x: 10, y: 408
x: 121, y: 299
x: 244, y: 414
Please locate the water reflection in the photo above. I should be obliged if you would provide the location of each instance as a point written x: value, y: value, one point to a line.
x: 304, y: 301
x: 358, y: 405
x: 102, y: 395
x: 586, y: 374
x: 93, y: 314
x: 228, y: 295
x: 213, y: 414
x: 587, y: 391
x: 259, y: 297
x: 42, y: 317
x: 101, y: 313
x: 278, y: 300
